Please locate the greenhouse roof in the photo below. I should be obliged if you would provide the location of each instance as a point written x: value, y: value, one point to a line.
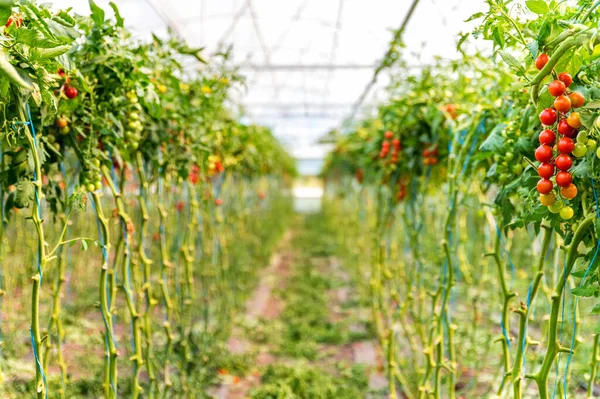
x: 307, y: 62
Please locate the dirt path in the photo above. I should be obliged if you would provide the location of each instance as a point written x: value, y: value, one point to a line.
x: 339, y: 341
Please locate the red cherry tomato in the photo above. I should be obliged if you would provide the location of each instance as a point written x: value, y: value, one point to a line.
x: 547, y: 137
x: 564, y: 179
x: 565, y: 78
x: 541, y: 61
x: 565, y: 145
x: 548, y: 116
x: 562, y: 104
x: 546, y: 170
x: 569, y: 192
x: 577, y: 100
x: 70, y: 92
x: 557, y: 88
x: 389, y: 135
x: 566, y: 130
x: 543, y: 153
x: 544, y: 186
x: 563, y: 162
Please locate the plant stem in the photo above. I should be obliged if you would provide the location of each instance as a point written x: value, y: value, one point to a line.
x: 166, y: 265
x: 541, y: 377
x: 56, y: 320
x: 41, y: 388
x: 147, y: 265
x: 524, y: 312
x: 110, y: 376
x: 125, y: 223
x: 593, y: 367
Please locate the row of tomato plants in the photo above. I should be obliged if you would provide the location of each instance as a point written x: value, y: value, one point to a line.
x: 502, y: 150
x: 92, y: 118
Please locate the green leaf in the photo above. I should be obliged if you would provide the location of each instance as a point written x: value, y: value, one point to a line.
x: 544, y: 33
x: 537, y: 6
x: 584, y: 291
x: 533, y: 49
x: 37, y: 19
x: 582, y: 170
x: 578, y: 273
x: 462, y: 39
x: 84, y: 245
x: 48, y: 53
x: 498, y: 37
x: 35, y: 38
x: 596, y: 309
x: 11, y: 72
x: 596, y: 329
x: 5, y: 10
x: 594, y: 104
x: 495, y: 141
x: 513, y: 63
x: 97, y: 13
x: 64, y: 19
x: 118, y: 16
x: 477, y: 15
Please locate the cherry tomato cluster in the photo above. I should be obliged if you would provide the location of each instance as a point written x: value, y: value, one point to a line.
x: 555, y: 156
x: 134, y: 127
x: 359, y: 175
x: 451, y: 110
x: 385, y: 147
x: 430, y: 155
x: 91, y: 178
x: 215, y: 166
x: 401, y: 193
x: 194, y: 174
x: 67, y: 89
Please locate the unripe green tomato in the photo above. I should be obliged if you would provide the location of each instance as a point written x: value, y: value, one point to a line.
x: 133, y: 125
x: 51, y: 139
x: 56, y: 146
x: 98, y: 185
x: 496, y: 157
x: 517, y: 169
x: 504, y: 176
x: 133, y: 100
x: 510, y: 142
x: 556, y: 207
x: 96, y: 162
x: 598, y: 152
x: 134, y: 145
x: 597, y: 122
x: 580, y: 150
x: 90, y: 187
x: 592, y: 145
x: 134, y: 116
x: 566, y: 213
x: 509, y: 156
x: 582, y: 137
x: 64, y: 130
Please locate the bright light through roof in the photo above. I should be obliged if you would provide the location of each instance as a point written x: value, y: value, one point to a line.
x: 306, y: 61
